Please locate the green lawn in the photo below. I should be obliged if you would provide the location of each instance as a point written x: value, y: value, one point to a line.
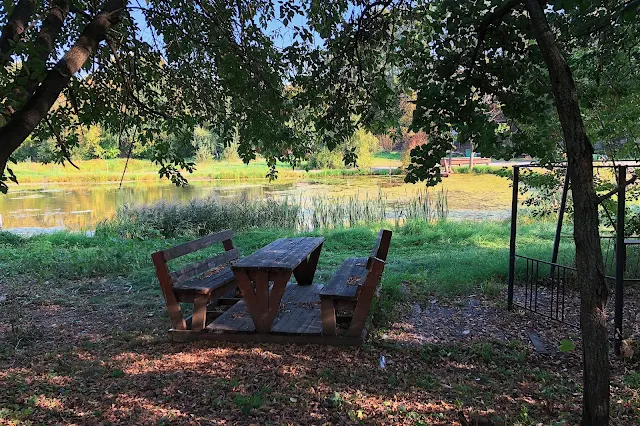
x: 445, y: 257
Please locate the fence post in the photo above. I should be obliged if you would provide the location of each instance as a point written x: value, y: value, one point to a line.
x: 621, y: 254
x: 512, y: 242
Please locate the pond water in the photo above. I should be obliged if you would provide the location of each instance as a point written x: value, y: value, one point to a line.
x: 81, y: 207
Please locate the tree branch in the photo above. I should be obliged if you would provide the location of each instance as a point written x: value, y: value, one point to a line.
x: 616, y: 189
x: 60, y: 143
x: 35, y: 110
x: 45, y: 43
x: 15, y: 27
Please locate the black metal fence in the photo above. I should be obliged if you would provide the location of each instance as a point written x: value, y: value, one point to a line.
x: 545, y: 284
x: 545, y: 289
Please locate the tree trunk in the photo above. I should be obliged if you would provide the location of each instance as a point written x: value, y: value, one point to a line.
x: 589, y: 263
x: 13, y: 134
x: 15, y: 26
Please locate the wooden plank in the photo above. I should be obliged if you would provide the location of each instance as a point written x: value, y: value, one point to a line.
x: 381, y: 247
x: 280, y: 280
x: 235, y: 319
x: 198, y: 268
x: 260, y: 311
x: 306, y: 270
x: 382, y: 244
x: 342, y: 284
x: 364, y: 299
x: 285, y: 253
x: 192, y: 246
x: 205, y: 285
x: 302, y: 311
x: 305, y: 339
x: 246, y: 288
x: 173, y: 307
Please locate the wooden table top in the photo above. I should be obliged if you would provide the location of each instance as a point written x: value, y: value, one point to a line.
x: 282, y: 254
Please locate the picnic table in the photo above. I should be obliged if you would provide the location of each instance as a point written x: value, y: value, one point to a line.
x: 263, y: 276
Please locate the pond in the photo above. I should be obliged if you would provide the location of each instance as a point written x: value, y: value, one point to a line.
x: 82, y: 206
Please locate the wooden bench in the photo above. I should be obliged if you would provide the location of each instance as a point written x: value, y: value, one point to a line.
x: 199, y: 283
x: 352, y: 287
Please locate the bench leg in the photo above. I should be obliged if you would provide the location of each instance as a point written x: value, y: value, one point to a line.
x: 364, y: 299
x: 306, y: 270
x: 199, y: 318
x: 328, y: 310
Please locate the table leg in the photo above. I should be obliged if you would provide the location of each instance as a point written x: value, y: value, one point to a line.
x: 307, y: 269
x: 263, y: 305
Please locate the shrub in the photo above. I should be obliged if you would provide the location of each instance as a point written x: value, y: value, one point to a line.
x: 416, y: 139
x: 365, y: 144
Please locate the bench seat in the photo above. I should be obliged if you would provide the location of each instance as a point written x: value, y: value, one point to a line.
x: 347, y: 281
x: 205, y: 285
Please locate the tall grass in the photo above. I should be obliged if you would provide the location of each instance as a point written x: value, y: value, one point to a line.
x: 200, y: 217
x: 320, y: 212
x: 203, y: 216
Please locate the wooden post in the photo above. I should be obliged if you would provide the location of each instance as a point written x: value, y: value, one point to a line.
x: 177, y: 320
x: 307, y: 269
x: 512, y: 242
x: 621, y: 252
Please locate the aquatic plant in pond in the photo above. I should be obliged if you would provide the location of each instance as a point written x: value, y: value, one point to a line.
x: 331, y: 212
x: 200, y: 217
x: 207, y: 215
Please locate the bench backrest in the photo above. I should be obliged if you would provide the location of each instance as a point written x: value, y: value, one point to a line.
x: 161, y: 258
x: 381, y: 248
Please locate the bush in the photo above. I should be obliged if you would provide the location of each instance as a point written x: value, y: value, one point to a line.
x: 365, y: 144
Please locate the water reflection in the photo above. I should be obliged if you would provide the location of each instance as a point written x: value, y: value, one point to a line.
x: 81, y: 207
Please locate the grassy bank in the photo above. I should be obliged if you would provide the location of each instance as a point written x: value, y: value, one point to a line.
x: 442, y: 257
x: 144, y: 170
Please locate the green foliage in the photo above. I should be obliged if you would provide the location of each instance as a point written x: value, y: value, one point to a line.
x: 633, y: 379
x: 567, y: 345
x: 252, y: 401
x: 363, y: 144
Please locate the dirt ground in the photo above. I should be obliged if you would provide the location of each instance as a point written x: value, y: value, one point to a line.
x: 96, y: 352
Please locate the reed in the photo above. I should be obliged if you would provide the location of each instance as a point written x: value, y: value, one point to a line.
x: 200, y: 217
x: 204, y: 216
